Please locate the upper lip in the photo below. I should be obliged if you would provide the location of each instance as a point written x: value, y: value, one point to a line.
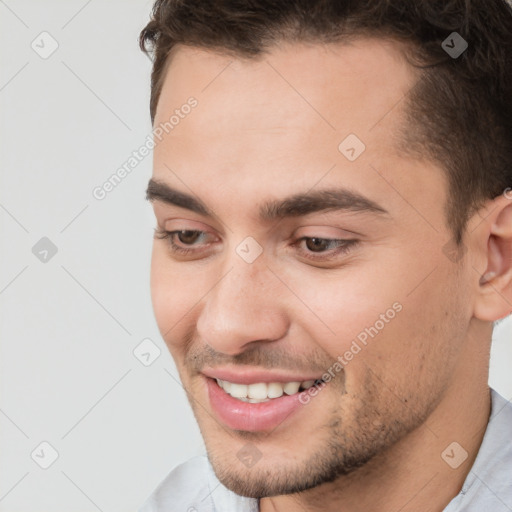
x: 241, y: 375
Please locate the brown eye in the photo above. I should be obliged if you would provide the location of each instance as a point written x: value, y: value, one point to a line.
x: 188, y: 237
x: 319, y: 250
x: 187, y: 244
x: 317, y: 244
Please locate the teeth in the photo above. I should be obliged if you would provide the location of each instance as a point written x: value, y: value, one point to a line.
x: 238, y: 390
x: 224, y: 384
x: 274, y: 390
x: 261, y: 391
x: 290, y: 388
x: 257, y: 390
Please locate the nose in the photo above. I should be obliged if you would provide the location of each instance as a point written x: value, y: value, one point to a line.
x: 244, y: 306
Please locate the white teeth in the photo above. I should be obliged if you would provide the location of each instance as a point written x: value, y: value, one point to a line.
x: 252, y: 400
x: 307, y: 384
x: 274, y: 390
x: 290, y: 388
x: 262, y: 391
x: 257, y: 390
x: 238, y: 390
x: 224, y: 384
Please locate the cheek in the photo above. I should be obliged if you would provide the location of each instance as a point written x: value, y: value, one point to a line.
x: 344, y: 307
x: 380, y: 315
x: 175, y: 291
x: 422, y: 344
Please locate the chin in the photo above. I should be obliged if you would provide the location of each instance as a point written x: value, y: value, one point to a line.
x: 276, y: 475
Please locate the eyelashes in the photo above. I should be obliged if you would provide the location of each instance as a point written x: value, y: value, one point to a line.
x: 185, y: 243
x: 341, y: 247
x: 171, y: 236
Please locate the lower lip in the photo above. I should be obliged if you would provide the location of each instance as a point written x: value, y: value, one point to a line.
x: 248, y: 417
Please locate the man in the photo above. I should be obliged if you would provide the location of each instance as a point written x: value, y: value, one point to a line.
x: 332, y: 196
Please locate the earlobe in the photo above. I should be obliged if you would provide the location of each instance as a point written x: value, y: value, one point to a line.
x: 494, y: 300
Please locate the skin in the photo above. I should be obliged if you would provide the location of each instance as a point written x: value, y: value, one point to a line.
x: 264, y: 130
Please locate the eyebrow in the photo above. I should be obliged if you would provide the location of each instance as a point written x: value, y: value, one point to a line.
x: 297, y: 205
x: 159, y: 191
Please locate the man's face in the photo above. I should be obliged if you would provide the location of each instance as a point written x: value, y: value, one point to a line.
x: 364, y: 283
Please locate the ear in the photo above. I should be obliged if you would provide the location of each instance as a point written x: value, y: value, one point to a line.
x: 494, y: 279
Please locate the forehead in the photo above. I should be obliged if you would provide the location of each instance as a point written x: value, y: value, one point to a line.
x: 279, y: 119
x: 360, y: 79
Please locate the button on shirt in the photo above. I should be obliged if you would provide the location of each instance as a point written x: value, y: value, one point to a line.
x: 193, y: 486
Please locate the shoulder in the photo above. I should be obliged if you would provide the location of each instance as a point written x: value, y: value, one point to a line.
x: 496, y: 469
x: 183, y: 489
x: 488, y: 485
x: 193, y: 487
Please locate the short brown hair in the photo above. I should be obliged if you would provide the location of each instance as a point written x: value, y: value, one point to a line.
x: 460, y: 112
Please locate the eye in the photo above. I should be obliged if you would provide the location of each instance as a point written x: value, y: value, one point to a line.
x: 187, y: 237
x: 320, y: 244
x: 185, y: 241
x: 324, y: 248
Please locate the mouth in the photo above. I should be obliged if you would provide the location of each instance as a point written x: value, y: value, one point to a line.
x: 261, y: 392
x: 256, y: 406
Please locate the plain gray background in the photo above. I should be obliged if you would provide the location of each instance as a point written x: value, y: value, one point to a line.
x: 70, y: 323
